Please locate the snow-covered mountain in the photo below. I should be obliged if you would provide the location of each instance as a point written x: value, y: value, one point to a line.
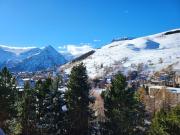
x: 5, y: 56
x: 29, y: 53
x: 30, y: 58
x: 151, y: 53
x: 46, y: 58
x: 68, y: 56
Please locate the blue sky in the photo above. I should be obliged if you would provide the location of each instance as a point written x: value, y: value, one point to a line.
x: 77, y: 22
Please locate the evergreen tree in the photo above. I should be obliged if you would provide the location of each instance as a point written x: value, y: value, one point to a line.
x: 8, y: 95
x: 124, y: 113
x: 166, y: 122
x: 78, y: 101
x: 41, y: 88
x: 54, y: 113
x: 28, y: 114
x: 53, y: 109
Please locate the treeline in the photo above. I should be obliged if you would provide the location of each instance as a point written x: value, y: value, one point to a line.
x: 83, y: 56
x: 44, y: 110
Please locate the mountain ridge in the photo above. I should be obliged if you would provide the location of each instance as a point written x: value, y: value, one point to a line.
x: 33, y: 59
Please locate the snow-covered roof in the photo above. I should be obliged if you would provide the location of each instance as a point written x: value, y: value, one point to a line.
x: 26, y: 79
x: 156, y: 87
x: 173, y: 90
x: 62, y: 89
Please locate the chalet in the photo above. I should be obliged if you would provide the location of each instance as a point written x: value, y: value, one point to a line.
x: 174, y: 93
x: 158, y: 97
x: 164, y: 79
x: 177, y: 78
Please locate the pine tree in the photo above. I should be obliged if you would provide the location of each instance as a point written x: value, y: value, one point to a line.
x: 53, y: 109
x: 41, y: 88
x: 8, y: 95
x: 54, y: 113
x: 28, y: 114
x: 124, y: 113
x: 166, y: 122
x: 78, y: 101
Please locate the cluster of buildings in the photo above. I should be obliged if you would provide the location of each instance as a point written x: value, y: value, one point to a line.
x: 157, y: 86
x: 162, y: 89
x: 33, y: 77
x: 165, y: 80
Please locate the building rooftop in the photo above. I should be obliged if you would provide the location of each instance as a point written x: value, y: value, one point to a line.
x: 173, y: 89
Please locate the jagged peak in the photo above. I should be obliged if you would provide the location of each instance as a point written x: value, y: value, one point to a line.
x: 49, y: 48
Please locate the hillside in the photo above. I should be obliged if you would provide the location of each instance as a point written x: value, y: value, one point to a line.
x: 150, y: 53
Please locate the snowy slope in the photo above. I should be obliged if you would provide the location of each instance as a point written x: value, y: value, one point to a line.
x: 154, y: 51
x: 29, y: 53
x: 29, y: 58
x: 68, y: 56
x: 11, y: 56
x: 5, y: 55
x: 15, y: 50
x: 48, y: 57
